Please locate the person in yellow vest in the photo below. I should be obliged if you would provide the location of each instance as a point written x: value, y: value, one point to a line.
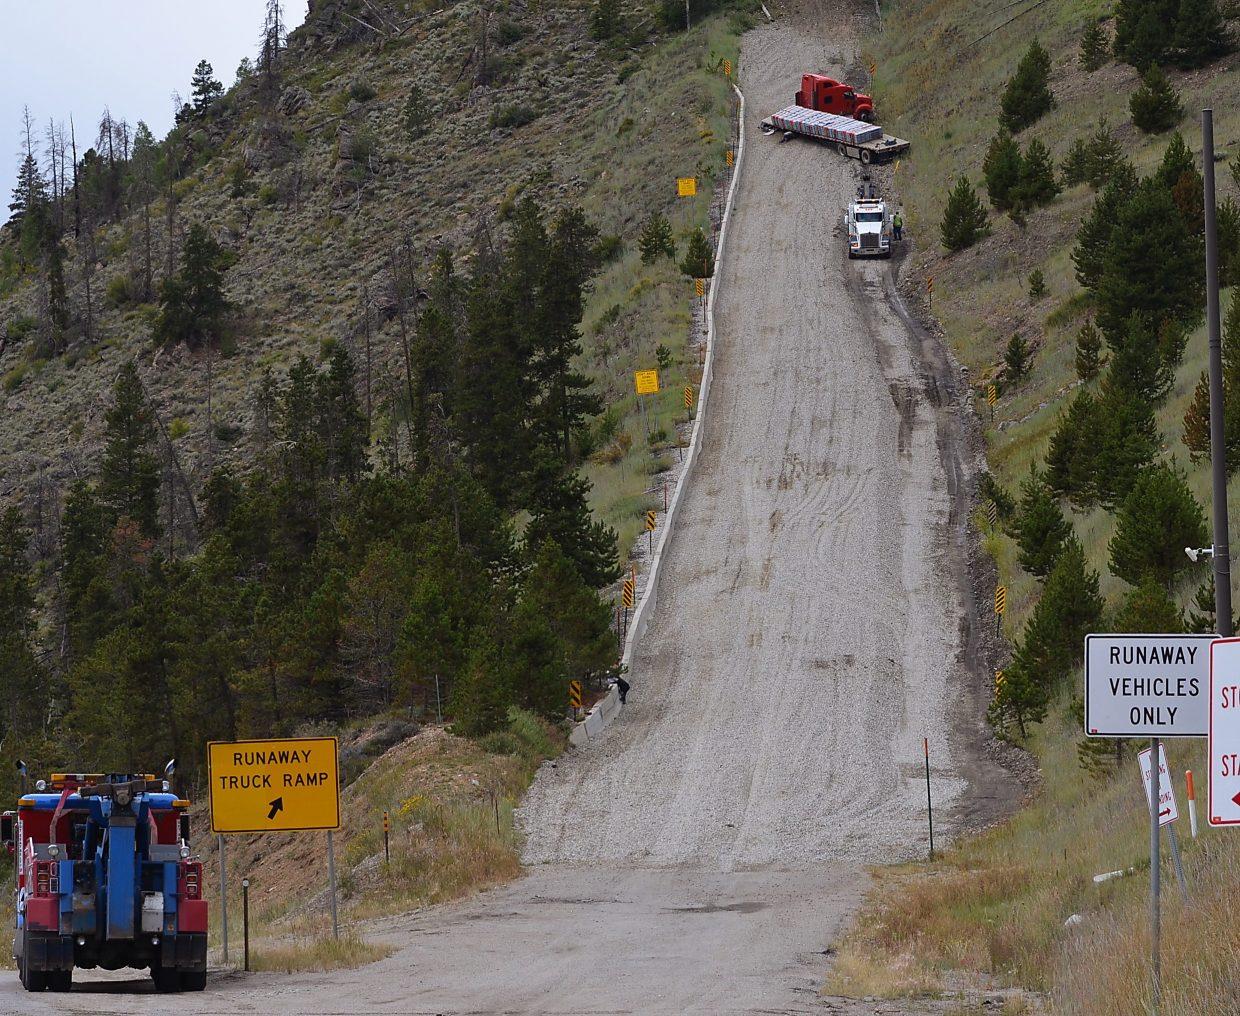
x: 897, y: 224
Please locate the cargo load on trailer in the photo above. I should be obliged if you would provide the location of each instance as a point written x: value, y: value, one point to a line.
x: 105, y: 878
x: 853, y: 138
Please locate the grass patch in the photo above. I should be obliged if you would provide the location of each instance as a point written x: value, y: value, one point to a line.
x: 318, y: 954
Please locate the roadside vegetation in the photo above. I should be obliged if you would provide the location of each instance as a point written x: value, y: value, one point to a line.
x: 1091, y: 167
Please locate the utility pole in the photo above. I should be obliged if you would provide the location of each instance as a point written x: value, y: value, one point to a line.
x: 1218, y: 453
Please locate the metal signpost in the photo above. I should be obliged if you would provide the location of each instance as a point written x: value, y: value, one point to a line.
x: 1168, y: 812
x: 283, y: 785
x: 1151, y: 686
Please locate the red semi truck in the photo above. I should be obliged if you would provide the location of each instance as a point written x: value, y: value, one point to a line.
x: 826, y: 95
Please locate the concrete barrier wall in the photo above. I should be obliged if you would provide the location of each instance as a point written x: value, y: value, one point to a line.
x: 607, y: 708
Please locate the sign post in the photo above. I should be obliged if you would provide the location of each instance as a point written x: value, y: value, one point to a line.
x: 925, y: 747
x: 645, y: 382
x: 1167, y: 809
x: 219, y: 841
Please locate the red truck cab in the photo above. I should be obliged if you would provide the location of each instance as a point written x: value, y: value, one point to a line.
x: 826, y: 95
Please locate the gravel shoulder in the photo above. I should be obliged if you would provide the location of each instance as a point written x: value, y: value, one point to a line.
x: 815, y: 623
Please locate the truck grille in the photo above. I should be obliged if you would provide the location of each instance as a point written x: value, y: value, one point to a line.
x: 869, y: 241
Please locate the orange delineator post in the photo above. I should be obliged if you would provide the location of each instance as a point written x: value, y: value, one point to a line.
x: 1192, y: 802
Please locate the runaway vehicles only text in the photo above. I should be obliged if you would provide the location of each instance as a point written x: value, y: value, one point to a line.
x: 105, y: 879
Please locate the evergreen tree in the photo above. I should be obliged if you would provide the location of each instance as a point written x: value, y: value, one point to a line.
x: 1189, y: 198
x: 1148, y: 608
x: 418, y: 114
x: 1228, y: 222
x: 23, y: 694
x: 1157, y: 520
x: 204, y: 88
x: 605, y: 22
x: 1165, y: 288
x: 129, y: 478
x: 1143, y: 31
x: 1105, y: 159
x: 1022, y: 697
x: 964, y: 218
x: 1125, y: 439
x: 1075, y: 166
x: 1040, y: 529
x: 1037, y: 284
x: 1155, y: 105
x: 656, y: 239
x: 1015, y: 360
x: 1088, y: 351
x: 580, y: 621
x: 1201, y: 34
x: 192, y: 302
x: 1027, y: 96
x: 1197, y: 422
x: 560, y: 512
x: 1070, y: 608
x: 1070, y: 461
x: 1140, y: 364
x: 1094, y: 49
x: 699, y: 261
x: 1201, y: 619
x: 1002, y: 169
x: 342, y: 423
x: 1094, y: 236
x: 1037, y: 185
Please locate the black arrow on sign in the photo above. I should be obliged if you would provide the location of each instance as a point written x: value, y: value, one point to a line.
x: 276, y: 805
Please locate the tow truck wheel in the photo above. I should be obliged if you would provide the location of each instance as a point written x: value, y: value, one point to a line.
x: 32, y: 980
x: 60, y: 980
x: 193, y: 980
x: 166, y: 980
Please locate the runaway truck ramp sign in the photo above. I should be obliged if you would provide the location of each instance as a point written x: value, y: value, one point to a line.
x: 1147, y: 685
x: 274, y: 786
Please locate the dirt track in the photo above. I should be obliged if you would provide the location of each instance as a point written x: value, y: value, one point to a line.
x: 814, y: 624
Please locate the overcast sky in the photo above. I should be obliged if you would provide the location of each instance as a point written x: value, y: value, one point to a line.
x: 62, y: 57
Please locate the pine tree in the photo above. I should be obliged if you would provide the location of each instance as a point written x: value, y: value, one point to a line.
x: 1094, y: 236
x: 1197, y: 421
x: 204, y: 88
x: 1038, y: 185
x: 964, y: 218
x: 560, y: 512
x: 1002, y: 169
x: 1040, y: 529
x: 1201, y: 619
x: 1140, y: 364
x: 1027, y: 95
x: 1071, y: 459
x: 1190, y: 200
x: 1125, y: 438
x: 23, y: 695
x: 656, y: 240
x: 1143, y: 31
x: 1177, y: 160
x: 1201, y: 34
x: 1148, y: 607
x: 418, y: 113
x: 1075, y: 166
x: 1070, y: 608
x: 1165, y: 288
x: 342, y: 423
x: 129, y: 477
x: 192, y: 303
x: 1228, y: 222
x: 1106, y: 161
x: 1015, y: 360
x: 699, y: 261
x: 1094, y: 48
x: 1022, y: 697
x: 605, y: 19
x: 1037, y: 284
x: 1088, y: 351
x: 580, y: 621
x: 1155, y: 106
x: 1157, y: 520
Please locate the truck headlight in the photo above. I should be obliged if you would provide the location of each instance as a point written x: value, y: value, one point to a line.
x: 184, y: 852
x: 53, y: 851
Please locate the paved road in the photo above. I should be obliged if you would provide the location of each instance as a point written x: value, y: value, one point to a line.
x: 813, y: 626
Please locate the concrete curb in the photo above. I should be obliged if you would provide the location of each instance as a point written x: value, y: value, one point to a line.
x: 607, y: 709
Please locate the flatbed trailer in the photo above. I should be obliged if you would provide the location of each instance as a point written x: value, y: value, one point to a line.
x: 855, y: 139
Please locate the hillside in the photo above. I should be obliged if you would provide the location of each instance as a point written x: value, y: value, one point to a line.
x: 995, y: 908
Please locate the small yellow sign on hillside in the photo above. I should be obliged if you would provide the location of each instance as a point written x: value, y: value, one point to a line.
x: 274, y: 786
x: 686, y: 186
x: 646, y: 382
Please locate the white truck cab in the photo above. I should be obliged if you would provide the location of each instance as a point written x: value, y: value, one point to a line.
x: 868, y: 222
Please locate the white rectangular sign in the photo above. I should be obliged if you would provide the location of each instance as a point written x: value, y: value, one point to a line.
x: 1167, y: 810
x: 1147, y: 685
x: 1224, y: 747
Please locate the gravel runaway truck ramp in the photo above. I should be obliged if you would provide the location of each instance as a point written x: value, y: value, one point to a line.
x: 814, y: 623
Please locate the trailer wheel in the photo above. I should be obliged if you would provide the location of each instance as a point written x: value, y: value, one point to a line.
x: 59, y: 980
x: 866, y: 156
x: 32, y: 980
x: 193, y: 980
x: 166, y: 980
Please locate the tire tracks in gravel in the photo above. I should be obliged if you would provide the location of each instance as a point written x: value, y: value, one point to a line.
x: 816, y: 617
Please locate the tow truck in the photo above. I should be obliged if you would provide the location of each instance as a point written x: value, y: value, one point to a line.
x: 105, y: 878
x: 868, y: 222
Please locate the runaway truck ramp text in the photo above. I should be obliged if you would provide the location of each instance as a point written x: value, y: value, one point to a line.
x: 278, y: 785
x: 1147, y: 685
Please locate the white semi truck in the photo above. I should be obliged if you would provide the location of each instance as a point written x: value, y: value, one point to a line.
x: 869, y: 225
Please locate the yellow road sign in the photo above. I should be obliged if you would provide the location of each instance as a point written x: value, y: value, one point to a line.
x: 699, y: 287
x: 574, y: 694
x: 992, y: 512
x: 271, y: 786
x: 727, y: 67
x: 873, y: 68
x: 686, y: 186
x: 896, y: 167
x: 688, y: 397
x: 998, y: 681
x: 650, y: 521
x: 1000, y: 599
x: 646, y: 382
x: 930, y: 284
x: 628, y: 595
x: 992, y: 394
x: 729, y: 158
